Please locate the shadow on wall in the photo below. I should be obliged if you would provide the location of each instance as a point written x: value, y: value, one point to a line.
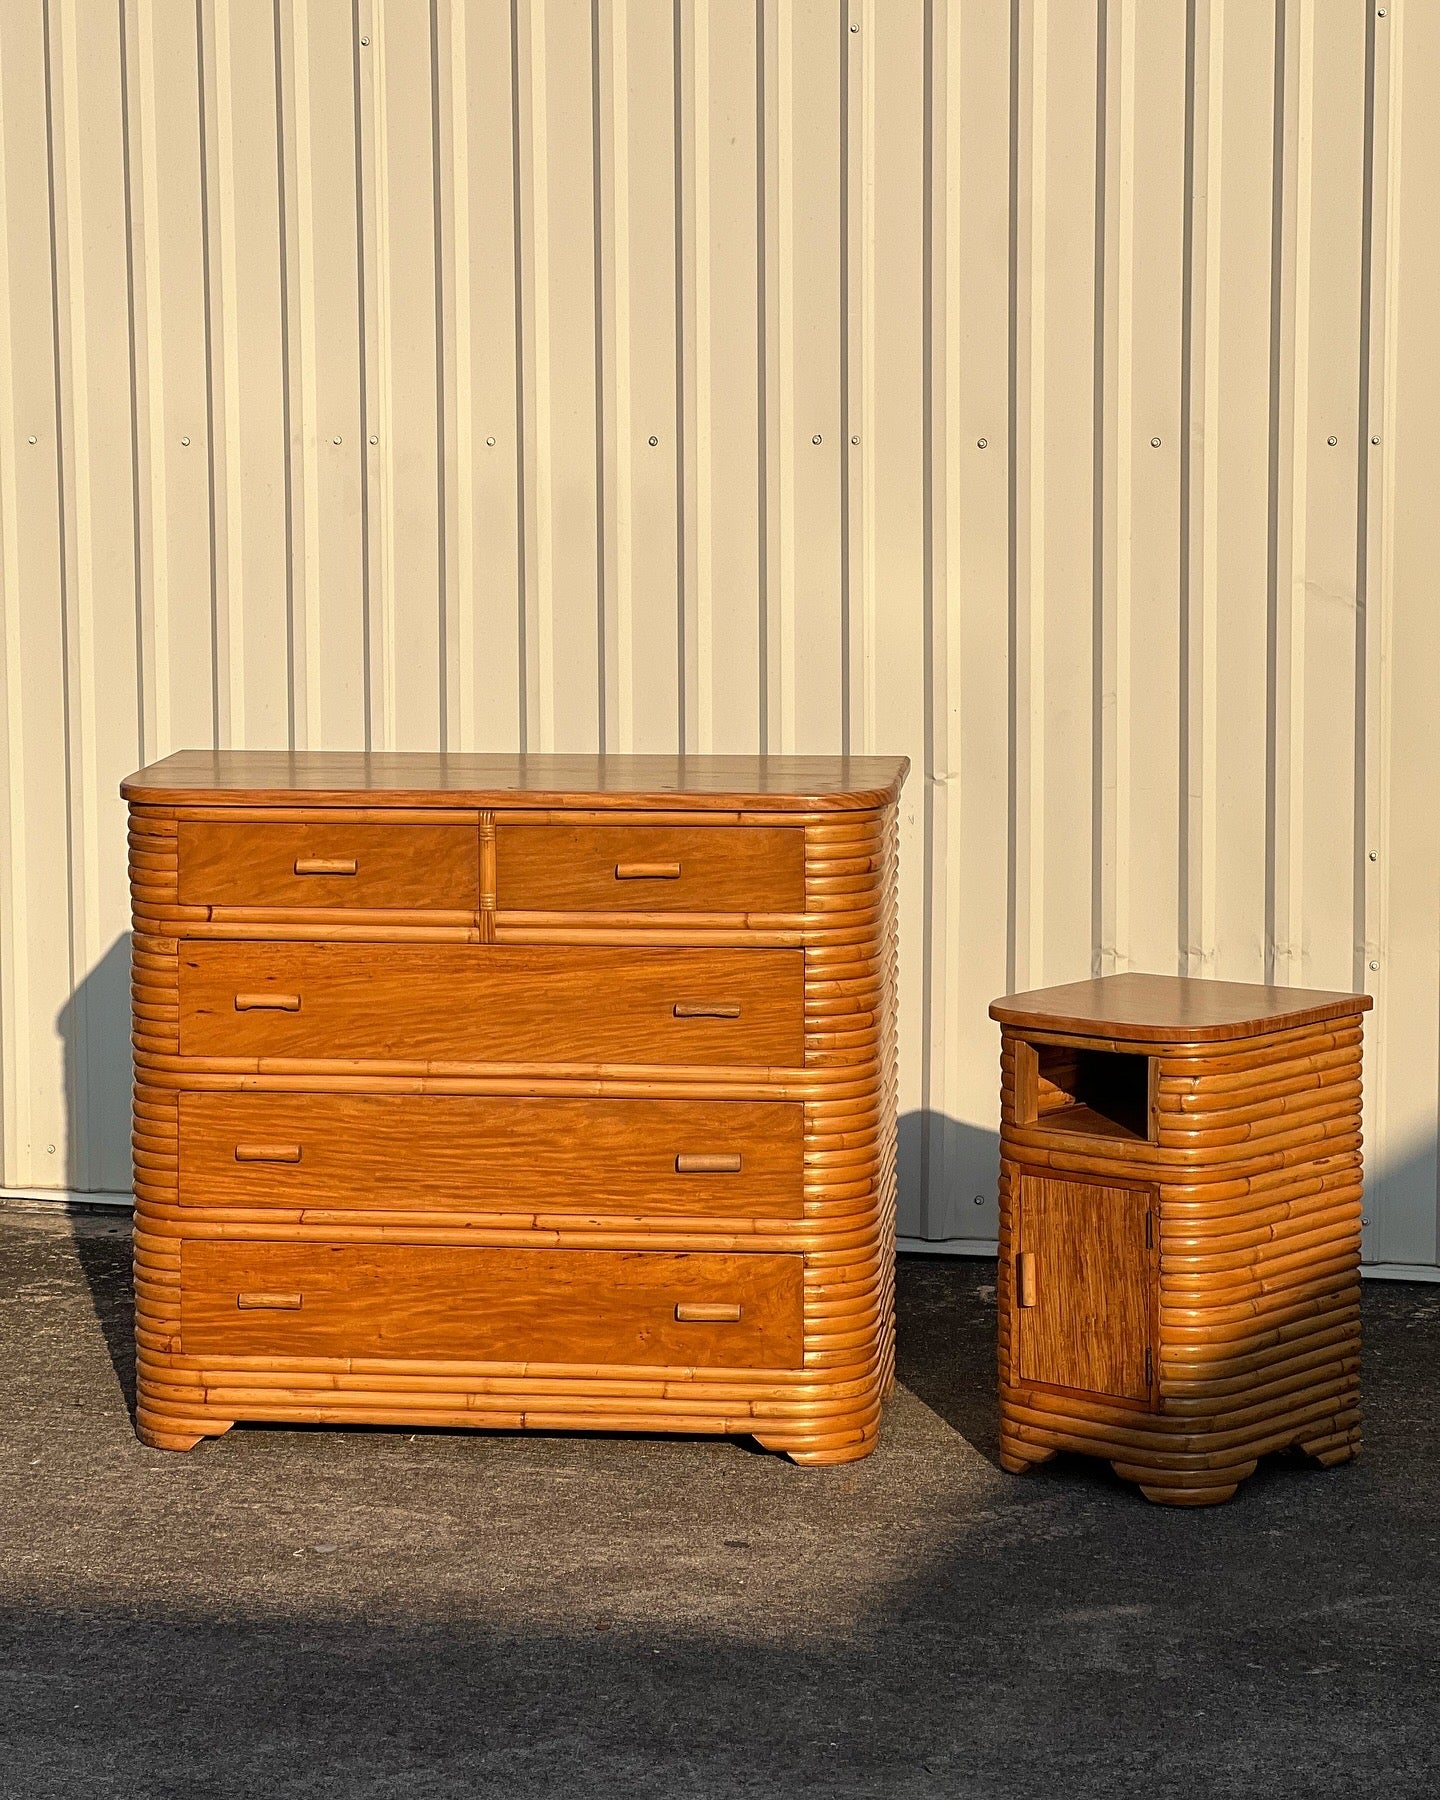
x: 949, y: 1174
x: 94, y: 1027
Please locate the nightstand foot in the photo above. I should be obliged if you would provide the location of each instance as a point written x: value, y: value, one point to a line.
x: 1334, y: 1448
x: 1207, y: 1489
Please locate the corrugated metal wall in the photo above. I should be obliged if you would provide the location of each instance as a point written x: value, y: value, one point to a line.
x: 1045, y: 389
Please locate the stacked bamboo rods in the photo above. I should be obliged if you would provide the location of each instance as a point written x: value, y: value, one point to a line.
x: 827, y: 1410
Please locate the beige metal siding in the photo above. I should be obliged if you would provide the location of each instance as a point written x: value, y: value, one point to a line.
x: 946, y: 376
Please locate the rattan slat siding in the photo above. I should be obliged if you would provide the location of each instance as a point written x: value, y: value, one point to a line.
x: 420, y: 285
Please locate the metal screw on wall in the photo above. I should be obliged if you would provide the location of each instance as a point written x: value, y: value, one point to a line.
x: 185, y: 442
x: 653, y: 442
x: 490, y: 442
x: 1374, y: 965
x: 1332, y: 442
x: 1154, y: 443
x: 982, y: 443
x: 816, y: 438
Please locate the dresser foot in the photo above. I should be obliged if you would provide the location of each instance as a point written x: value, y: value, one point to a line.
x: 177, y: 1440
x: 824, y: 1459
x: 822, y: 1456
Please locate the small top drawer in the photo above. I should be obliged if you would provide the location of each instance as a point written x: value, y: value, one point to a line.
x: 434, y: 868
x: 650, y: 868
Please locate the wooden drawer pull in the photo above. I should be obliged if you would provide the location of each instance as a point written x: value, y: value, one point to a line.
x: 708, y: 1312
x: 324, y: 865
x: 701, y: 1163
x: 656, y: 871
x: 1025, y: 1276
x: 270, y: 1302
x: 707, y: 1009
x: 267, y: 1003
x: 267, y: 1153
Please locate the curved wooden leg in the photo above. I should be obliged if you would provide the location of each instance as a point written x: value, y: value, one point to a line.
x: 178, y: 1440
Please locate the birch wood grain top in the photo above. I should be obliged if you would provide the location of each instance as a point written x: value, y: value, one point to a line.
x: 409, y: 778
x: 1171, y: 1009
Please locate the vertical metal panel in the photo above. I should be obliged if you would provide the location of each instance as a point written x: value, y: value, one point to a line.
x: 35, y: 863
x: 991, y: 357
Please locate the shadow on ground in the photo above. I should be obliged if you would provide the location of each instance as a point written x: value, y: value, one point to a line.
x: 356, y: 1613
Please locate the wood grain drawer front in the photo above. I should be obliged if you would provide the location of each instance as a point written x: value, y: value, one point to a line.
x: 650, y: 868
x: 414, y: 1152
x: 492, y: 1003
x: 491, y: 1305
x: 430, y: 868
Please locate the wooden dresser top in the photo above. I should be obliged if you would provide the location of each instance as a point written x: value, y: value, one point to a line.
x: 1172, y: 1008
x: 419, y: 778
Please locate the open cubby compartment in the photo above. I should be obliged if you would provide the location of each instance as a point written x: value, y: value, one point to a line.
x: 1087, y: 1092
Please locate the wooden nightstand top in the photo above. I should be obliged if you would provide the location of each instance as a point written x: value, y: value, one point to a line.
x: 1169, y: 1009
x: 420, y: 778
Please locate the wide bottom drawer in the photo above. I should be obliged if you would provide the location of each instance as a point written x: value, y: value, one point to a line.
x: 491, y: 1305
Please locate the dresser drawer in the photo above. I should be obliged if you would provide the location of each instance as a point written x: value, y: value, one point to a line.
x: 434, y: 868
x: 492, y: 1003
x: 421, y: 1152
x: 491, y: 1305
x: 650, y: 868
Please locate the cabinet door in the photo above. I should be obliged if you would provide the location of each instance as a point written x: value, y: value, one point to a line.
x: 1085, y: 1287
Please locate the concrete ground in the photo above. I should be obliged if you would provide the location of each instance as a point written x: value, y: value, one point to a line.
x: 357, y: 1613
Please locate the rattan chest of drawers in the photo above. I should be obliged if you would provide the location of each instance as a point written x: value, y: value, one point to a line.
x: 548, y: 1092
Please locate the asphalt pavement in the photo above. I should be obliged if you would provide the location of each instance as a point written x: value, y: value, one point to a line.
x: 384, y: 1613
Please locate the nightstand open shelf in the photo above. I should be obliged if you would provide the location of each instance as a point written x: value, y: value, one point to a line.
x: 1084, y: 1092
